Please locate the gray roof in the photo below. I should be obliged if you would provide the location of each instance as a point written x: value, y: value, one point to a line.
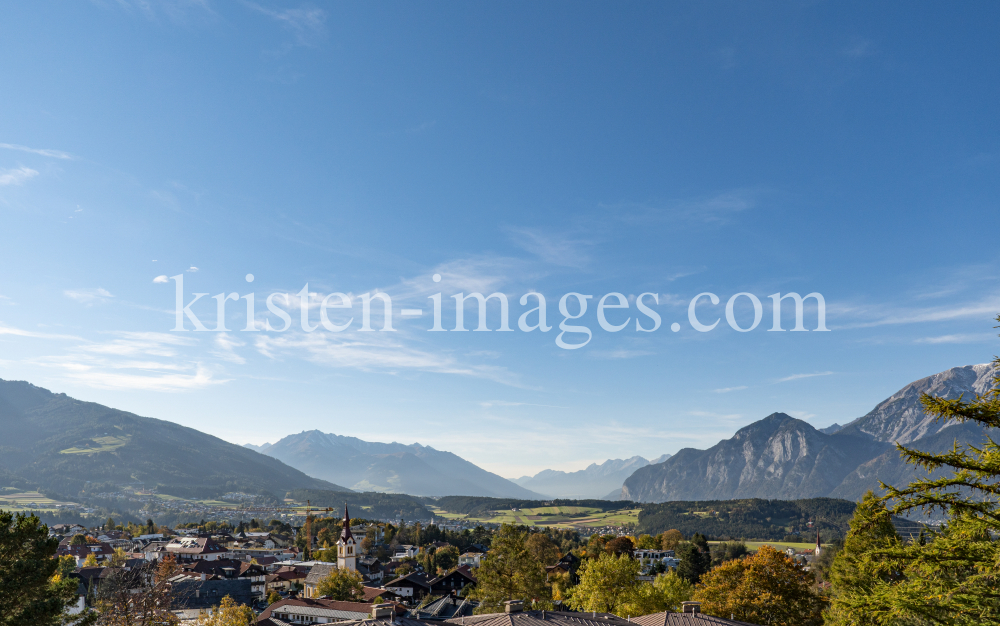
x: 685, y: 619
x: 205, y: 594
x: 319, y: 572
x: 541, y: 618
x: 319, y: 611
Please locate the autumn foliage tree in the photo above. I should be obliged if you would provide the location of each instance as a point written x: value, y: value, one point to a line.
x: 767, y: 587
x: 342, y: 584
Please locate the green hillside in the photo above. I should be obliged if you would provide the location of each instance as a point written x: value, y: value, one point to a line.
x: 60, y: 444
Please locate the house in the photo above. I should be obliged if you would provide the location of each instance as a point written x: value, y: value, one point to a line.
x: 472, y: 559
x: 101, y: 551
x: 567, y: 564
x: 283, y: 579
x: 370, y: 567
x: 405, y: 552
x: 196, y: 549
x: 67, y: 529
x: 414, y: 585
x: 454, y: 581
x: 308, y: 611
x: 312, y: 580
x: 515, y: 615
x: 691, y: 615
x: 191, y: 598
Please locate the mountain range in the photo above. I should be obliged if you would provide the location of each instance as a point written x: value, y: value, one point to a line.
x: 389, y: 467
x: 61, y: 444
x: 600, y: 481
x: 783, y: 457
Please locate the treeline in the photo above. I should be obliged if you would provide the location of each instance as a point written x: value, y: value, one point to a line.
x: 477, y: 505
x: 752, y: 519
x: 369, y: 504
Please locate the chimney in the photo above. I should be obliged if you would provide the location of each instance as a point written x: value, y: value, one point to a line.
x: 513, y: 606
x: 691, y: 607
x: 380, y: 611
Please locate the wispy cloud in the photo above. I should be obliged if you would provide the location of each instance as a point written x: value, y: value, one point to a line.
x: 55, y: 154
x: 558, y: 249
x: 801, y: 376
x: 802, y: 415
x: 504, y: 403
x: 225, y: 348
x: 138, y: 343
x: 193, y: 269
x: 621, y: 353
x: 18, y: 332
x: 307, y: 24
x: 729, y: 389
x: 966, y: 338
x: 984, y: 308
x: 723, y: 416
x: 88, y: 296
x: 374, y: 352
x: 16, y: 176
x: 162, y: 278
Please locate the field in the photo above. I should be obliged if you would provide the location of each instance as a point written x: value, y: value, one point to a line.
x: 103, y: 444
x: 30, y: 500
x: 554, y: 516
x: 779, y: 545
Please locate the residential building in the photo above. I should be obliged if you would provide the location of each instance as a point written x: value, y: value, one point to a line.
x: 471, y: 559
x: 316, y: 574
x: 414, y: 585
x: 454, y: 581
x: 308, y: 611
x: 196, y: 548
x: 192, y: 597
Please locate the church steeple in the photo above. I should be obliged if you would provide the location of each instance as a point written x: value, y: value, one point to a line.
x: 346, y: 556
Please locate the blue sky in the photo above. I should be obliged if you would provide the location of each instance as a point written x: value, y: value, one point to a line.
x: 849, y: 149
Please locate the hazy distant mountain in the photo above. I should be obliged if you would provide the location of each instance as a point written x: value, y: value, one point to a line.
x: 389, y: 467
x: 593, y: 482
x: 53, y: 441
x: 782, y: 457
x: 829, y: 430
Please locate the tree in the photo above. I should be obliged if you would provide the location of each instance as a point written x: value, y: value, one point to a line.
x: 90, y: 561
x: 949, y: 575
x: 78, y: 540
x: 542, y: 548
x: 228, y: 614
x: 646, y: 542
x: 665, y: 593
x: 670, y: 539
x: 607, y: 584
x: 446, y: 558
x: 110, y: 524
x: 130, y: 597
x: 765, y: 588
x: 509, y: 571
x: 861, y: 571
x: 33, y: 586
x: 341, y: 584
x: 695, y: 557
x: 619, y: 546
x: 273, y: 597
x: 728, y: 551
x: 595, y: 545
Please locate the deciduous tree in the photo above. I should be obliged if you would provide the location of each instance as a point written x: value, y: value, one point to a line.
x: 607, y: 584
x: 509, y: 571
x: 342, y: 584
x: 228, y: 614
x: 765, y: 588
x: 670, y: 539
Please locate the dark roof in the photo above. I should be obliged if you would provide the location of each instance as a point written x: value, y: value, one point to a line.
x: 205, y: 594
x: 685, y: 619
x: 542, y: 618
x: 416, y: 578
x: 444, y: 608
